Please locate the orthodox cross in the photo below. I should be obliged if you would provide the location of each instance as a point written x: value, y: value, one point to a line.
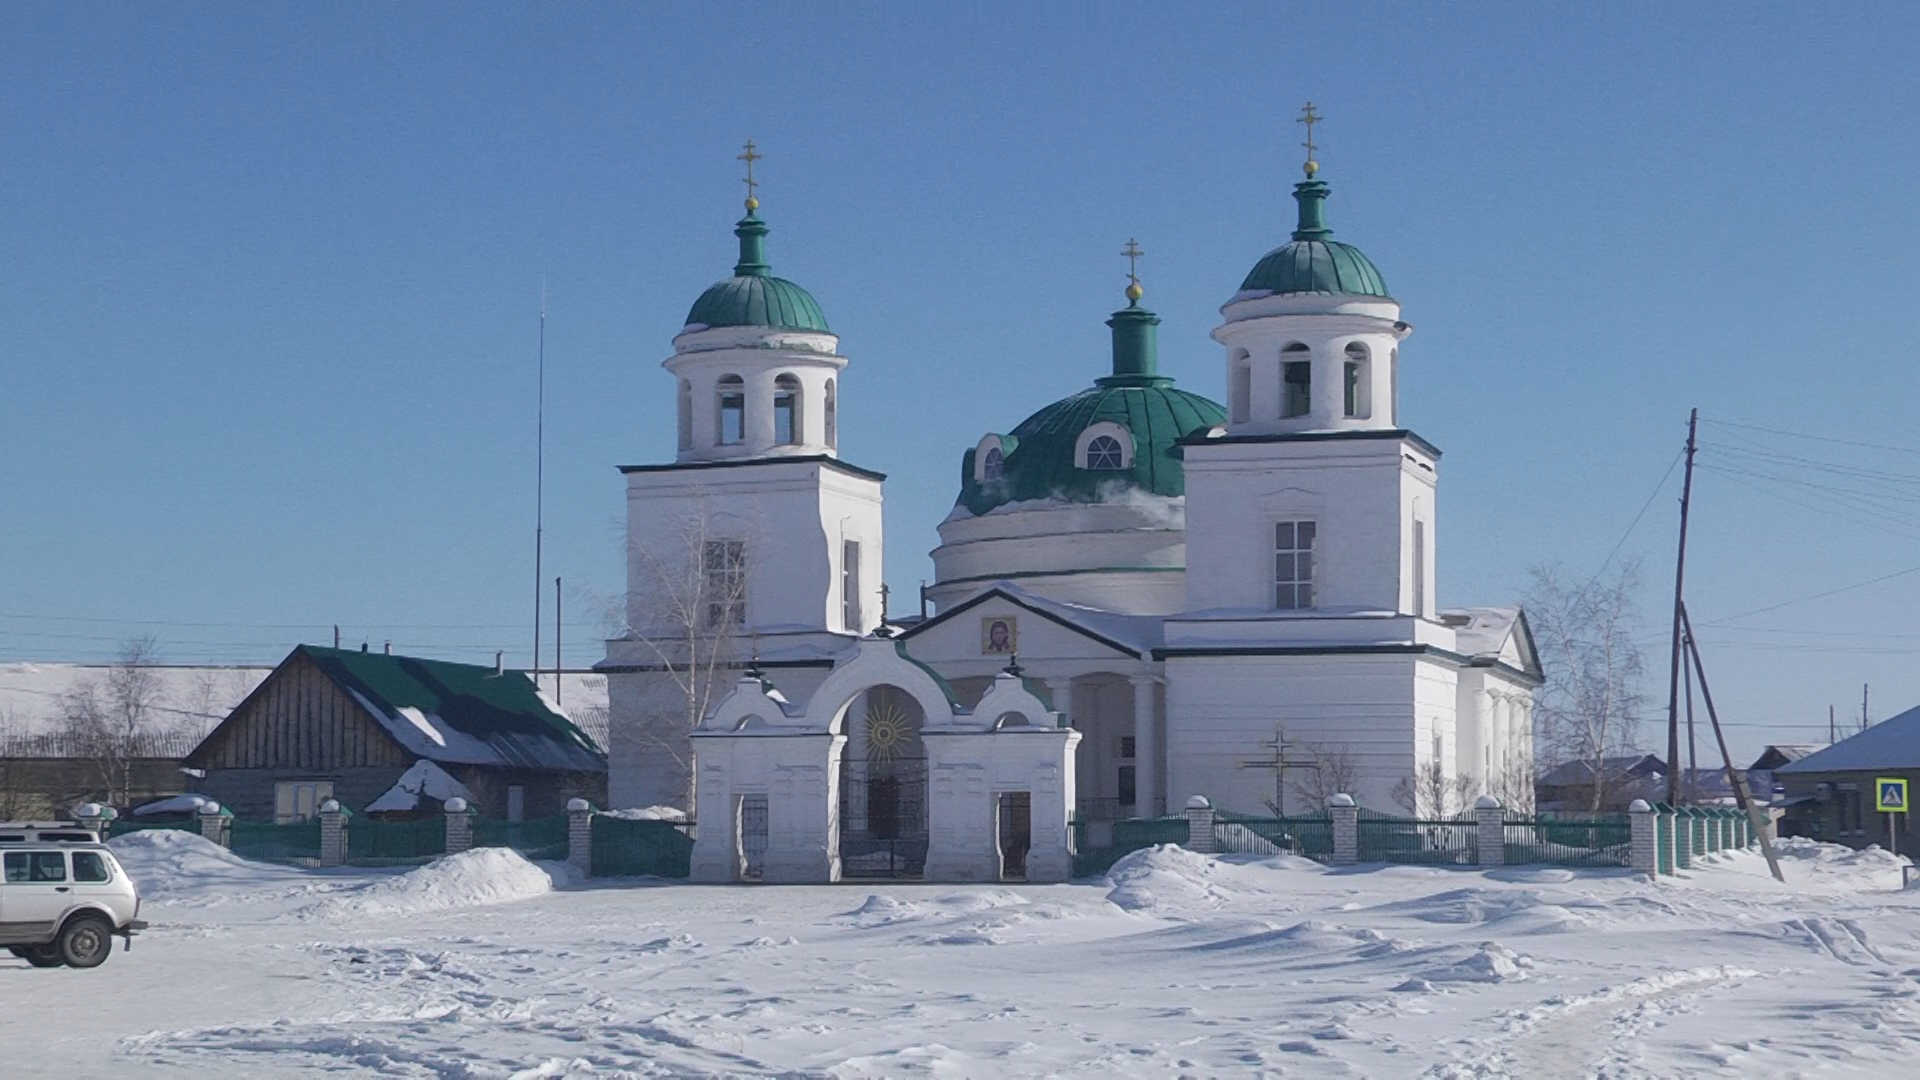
x: 750, y: 157
x: 884, y: 591
x: 1310, y: 118
x: 1280, y: 761
x: 1132, y: 252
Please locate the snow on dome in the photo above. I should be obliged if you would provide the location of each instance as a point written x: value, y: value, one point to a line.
x: 423, y: 780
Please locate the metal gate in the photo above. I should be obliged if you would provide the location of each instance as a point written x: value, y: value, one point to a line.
x: 753, y: 837
x: 1016, y: 834
x: 883, y: 818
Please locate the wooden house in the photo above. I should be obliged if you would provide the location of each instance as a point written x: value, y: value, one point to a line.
x: 348, y: 725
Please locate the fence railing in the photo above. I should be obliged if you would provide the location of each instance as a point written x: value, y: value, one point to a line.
x: 1601, y: 840
x: 536, y: 838
x: 264, y: 842
x: 1100, y: 844
x: 625, y: 848
x: 1310, y: 837
x: 378, y: 842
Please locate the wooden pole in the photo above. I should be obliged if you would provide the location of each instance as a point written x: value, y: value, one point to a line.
x: 1679, y: 584
x: 557, y: 665
x: 1734, y: 779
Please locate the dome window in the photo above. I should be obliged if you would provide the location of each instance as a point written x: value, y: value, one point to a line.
x: 686, y: 415
x: 1104, y: 453
x: 1104, y: 447
x: 830, y: 414
x: 731, y: 396
x: 1357, y: 381
x: 1242, y: 387
x: 994, y: 465
x: 786, y: 410
x: 1296, y: 388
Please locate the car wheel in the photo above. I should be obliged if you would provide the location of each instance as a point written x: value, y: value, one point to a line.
x: 42, y: 956
x: 86, y: 942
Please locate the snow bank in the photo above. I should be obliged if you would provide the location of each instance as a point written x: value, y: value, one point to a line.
x: 1835, y: 857
x: 1165, y: 880
x: 163, y: 861
x: 648, y: 813
x: 473, y: 878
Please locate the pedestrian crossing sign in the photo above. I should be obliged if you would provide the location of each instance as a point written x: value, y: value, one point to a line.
x: 1893, y: 794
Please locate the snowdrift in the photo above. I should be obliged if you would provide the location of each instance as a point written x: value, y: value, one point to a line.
x: 475, y: 878
x: 163, y: 861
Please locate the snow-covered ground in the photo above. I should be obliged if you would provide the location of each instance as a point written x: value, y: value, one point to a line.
x: 485, y: 965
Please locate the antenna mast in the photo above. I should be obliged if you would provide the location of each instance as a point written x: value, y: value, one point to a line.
x: 539, y: 477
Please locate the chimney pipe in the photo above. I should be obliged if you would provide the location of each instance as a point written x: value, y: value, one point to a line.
x: 499, y: 662
x: 336, y: 635
x: 363, y: 646
x: 387, y: 648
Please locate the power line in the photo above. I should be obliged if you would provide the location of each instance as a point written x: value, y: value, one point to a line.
x: 1816, y: 438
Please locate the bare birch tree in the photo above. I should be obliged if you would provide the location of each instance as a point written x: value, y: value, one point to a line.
x: 111, y: 720
x: 1430, y: 792
x: 1588, y: 710
x: 1334, y: 772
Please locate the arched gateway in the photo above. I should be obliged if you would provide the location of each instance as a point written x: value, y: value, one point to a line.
x: 882, y: 774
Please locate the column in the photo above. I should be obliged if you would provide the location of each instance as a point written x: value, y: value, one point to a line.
x: 1086, y: 780
x: 1062, y: 691
x: 1146, y: 749
x: 1346, y: 828
x: 333, y: 833
x: 580, y: 836
x: 459, y: 826
x: 1490, y: 828
x: 1199, y: 824
x: 1646, y: 850
x: 213, y: 823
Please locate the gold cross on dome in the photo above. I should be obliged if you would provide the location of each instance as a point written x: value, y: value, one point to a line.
x: 750, y: 157
x: 1132, y: 252
x: 1310, y: 118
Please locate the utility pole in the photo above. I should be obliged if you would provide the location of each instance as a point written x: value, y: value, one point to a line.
x: 1737, y: 781
x: 539, y: 476
x: 1833, y: 733
x: 557, y: 664
x: 1693, y: 764
x: 1863, y: 706
x: 1679, y: 584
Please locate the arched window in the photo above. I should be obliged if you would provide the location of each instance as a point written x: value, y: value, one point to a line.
x: 685, y: 410
x: 786, y: 410
x: 830, y: 414
x: 1103, y: 452
x: 994, y: 465
x: 1357, y: 382
x: 1242, y: 387
x: 731, y: 394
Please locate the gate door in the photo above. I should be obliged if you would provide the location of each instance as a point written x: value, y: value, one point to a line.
x: 753, y: 837
x: 1016, y: 834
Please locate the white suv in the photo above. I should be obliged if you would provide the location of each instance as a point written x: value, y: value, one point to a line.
x: 62, y: 896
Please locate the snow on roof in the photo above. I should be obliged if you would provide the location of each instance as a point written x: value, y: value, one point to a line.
x: 424, y: 779
x: 178, y: 804
x: 191, y: 695
x: 1485, y: 631
x: 1893, y: 743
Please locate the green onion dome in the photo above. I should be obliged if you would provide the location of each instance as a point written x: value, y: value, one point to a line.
x: 1314, y: 262
x: 1043, y: 457
x: 753, y: 296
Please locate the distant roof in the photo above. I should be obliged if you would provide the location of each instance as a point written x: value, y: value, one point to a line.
x: 465, y: 714
x: 1893, y: 743
x: 1574, y: 773
x: 1778, y: 754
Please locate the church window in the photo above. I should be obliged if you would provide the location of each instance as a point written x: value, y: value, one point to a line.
x: 1293, y: 565
x: 723, y: 576
x: 1242, y: 388
x: 1356, y: 384
x: 786, y: 410
x: 733, y: 410
x: 1296, y: 390
x: 686, y: 415
x: 1103, y: 452
x: 850, y: 614
x: 830, y: 413
x: 994, y: 465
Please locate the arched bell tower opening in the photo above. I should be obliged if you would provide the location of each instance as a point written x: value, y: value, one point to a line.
x: 883, y: 785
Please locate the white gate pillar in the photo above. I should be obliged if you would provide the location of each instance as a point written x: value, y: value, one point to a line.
x: 1146, y: 750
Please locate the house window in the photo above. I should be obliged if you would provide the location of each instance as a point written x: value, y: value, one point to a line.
x: 786, y: 410
x: 1296, y: 391
x: 733, y: 410
x: 1103, y: 452
x: 1128, y: 785
x: 994, y: 465
x: 686, y: 415
x: 295, y: 801
x: 723, y: 573
x: 850, y: 614
x: 1355, y: 396
x: 1293, y: 565
x: 516, y: 802
x: 830, y: 413
x: 1126, y: 746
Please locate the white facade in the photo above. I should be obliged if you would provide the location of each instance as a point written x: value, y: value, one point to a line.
x: 1270, y: 636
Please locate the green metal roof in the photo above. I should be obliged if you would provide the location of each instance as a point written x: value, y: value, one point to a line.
x: 1314, y: 262
x: 753, y: 296
x: 503, y: 715
x: 1039, y: 458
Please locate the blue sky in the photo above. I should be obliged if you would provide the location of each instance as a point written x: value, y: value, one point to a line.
x: 269, y: 298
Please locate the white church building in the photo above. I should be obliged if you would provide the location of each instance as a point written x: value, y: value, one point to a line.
x: 1140, y: 596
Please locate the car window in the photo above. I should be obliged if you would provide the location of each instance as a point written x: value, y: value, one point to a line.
x: 47, y: 866
x: 16, y: 863
x: 89, y: 866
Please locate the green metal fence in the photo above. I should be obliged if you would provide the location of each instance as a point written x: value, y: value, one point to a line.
x: 536, y: 838
x: 1311, y: 837
x: 298, y: 843
x: 623, y: 848
x: 1097, y: 845
x: 374, y: 842
x: 1427, y: 841
x: 1601, y: 840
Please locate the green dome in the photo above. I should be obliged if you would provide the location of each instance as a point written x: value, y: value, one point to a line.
x: 1313, y: 262
x: 753, y: 296
x: 1039, y: 456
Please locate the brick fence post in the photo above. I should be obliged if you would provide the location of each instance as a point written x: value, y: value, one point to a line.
x: 333, y: 833
x: 1490, y: 826
x: 1346, y: 828
x: 580, y: 835
x: 1200, y: 824
x: 459, y: 825
x: 94, y: 818
x: 213, y: 822
x: 1682, y: 838
x: 1646, y: 845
